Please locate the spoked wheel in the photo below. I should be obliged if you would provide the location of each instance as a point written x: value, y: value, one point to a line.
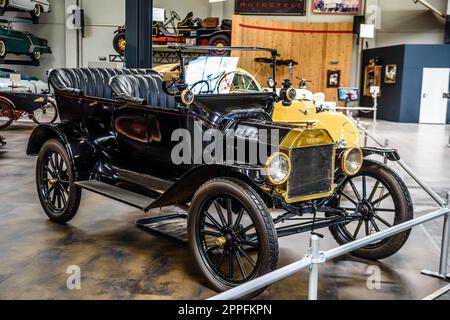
x: 231, y: 234
x: 59, y: 196
x: 46, y: 114
x: 6, y: 114
x: 201, y: 87
x: 374, y: 200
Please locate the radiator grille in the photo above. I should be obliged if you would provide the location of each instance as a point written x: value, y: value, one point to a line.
x: 312, y: 171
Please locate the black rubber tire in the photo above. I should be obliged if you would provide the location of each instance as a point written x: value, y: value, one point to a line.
x: 11, y: 118
x: 260, y: 216
x: 226, y: 24
x: 55, y: 117
x: 3, y: 56
x: 401, y: 196
x: 35, y: 16
x: 224, y: 40
x: 119, y: 36
x: 74, y: 198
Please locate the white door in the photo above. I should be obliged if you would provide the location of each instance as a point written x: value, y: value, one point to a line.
x: 433, y: 106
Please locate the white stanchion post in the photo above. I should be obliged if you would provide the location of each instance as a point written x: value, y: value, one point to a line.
x: 316, y: 259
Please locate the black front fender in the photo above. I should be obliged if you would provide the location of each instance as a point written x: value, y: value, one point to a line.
x: 83, y: 153
x: 390, y: 154
x: 184, y: 189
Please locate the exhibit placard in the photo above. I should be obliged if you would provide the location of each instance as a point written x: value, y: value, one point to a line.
x: 271, y: 7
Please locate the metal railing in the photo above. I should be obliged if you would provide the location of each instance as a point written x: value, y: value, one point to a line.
x: 315, y: 257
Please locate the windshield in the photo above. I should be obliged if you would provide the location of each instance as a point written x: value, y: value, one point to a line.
x: 227, y: 72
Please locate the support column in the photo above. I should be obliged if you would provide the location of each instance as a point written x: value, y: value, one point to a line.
x: 447, y: 25
x: 139, y: 20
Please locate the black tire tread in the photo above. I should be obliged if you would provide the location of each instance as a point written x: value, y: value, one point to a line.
x: 397, y: 241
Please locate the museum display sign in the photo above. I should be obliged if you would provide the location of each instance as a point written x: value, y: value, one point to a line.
x: 271, y: 7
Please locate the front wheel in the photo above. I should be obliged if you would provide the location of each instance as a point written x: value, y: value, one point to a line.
x: 7, y: 114
x: 36, y: 13
x: 375, y: 199
x: 46, y: 114
x: 55, y: 181
x: 231, y: 234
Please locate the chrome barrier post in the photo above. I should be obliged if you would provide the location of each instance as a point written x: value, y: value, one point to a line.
x: 316, y: 258
x: 386, y: 145
x: 443, y: 263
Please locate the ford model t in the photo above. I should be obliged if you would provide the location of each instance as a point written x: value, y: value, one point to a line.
x: 147, y: 140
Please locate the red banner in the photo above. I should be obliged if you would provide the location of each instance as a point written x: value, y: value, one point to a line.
x: 271, y: 7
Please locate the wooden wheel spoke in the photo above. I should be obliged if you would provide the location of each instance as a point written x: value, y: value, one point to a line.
x: 221, y: 259
x: 240, y: 264
x: 230, y: 264
x: 384, y: 210
x: 250, y: 243
x: 211, y: 233
x: 220, y: 212
x: 387, y: 195
x: 349, y: 198
x: 246, y: 229
x: 355, y: 234
x: 377, y: 229
x: 230, y: 212
x: 355, y: 191
x: 247, y: 256
x: 63, y: 197
x: 367, y: 226
x: 239, y: 218
x: 364, y: 187
x: 383, y: 221
x: 214, y: 221
x: 374, y: 190
x: 212, y: 226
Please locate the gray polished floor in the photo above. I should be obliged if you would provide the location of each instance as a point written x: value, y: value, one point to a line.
x: 119, y: 261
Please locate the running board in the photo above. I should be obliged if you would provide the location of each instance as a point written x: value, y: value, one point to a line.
x: 127, y: 197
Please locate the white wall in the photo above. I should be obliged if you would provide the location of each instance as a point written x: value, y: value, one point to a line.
x: 402, y: 22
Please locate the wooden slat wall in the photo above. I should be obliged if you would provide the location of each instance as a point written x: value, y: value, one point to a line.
x: 313, y: 50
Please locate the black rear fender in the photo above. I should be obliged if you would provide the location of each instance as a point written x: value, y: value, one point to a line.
x: 82, y: 152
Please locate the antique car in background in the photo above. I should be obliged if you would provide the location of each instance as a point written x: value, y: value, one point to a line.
x: 27, y: 83
x: 206, y: 32
x: 41, y: 108
x: 120, y: 137
x: 19, y: 42
x: 34, y: 7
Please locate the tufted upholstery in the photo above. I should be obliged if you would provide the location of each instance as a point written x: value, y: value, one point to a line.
x: 89, y: 82
x: 145, y: 89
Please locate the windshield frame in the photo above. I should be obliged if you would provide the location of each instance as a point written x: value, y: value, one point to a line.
x: 180, y: 51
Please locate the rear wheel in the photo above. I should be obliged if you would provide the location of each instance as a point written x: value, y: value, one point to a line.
x: 375, y: 199
x: 3, y: 51
x: 55, y: 181
x: 6, y: 114
x: 3, y: 5
x: 46, y: 114
x: 231, y: 234
x: 36, y: 56
x: 36, y: 13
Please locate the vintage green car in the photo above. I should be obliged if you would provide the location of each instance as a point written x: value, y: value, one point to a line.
x: 18, y: 42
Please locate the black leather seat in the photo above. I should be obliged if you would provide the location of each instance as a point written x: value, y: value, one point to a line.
x: 143, y: 89
x: 92, y: 82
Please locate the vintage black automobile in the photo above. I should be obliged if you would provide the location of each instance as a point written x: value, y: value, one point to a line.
x: 116, y: 138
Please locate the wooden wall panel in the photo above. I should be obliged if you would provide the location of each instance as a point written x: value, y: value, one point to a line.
x: 313, y: 45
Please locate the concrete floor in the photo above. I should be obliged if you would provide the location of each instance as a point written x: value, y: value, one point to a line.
x: 119, y: 261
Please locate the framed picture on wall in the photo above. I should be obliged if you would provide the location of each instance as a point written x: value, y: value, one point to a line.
x: 271, y: 7
x: 333, y: 78
x: 390, y: 76
x: 336, y: 6
x: 372, y: 78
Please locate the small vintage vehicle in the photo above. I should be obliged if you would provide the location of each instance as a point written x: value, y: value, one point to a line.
x: 124, y: 135
x: 34, y: 7
x: 41, y: 108
x: 27, y: 83
x: 18, y: 42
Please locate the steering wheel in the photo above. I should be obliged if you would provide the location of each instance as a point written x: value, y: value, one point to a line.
x: 175, y: 15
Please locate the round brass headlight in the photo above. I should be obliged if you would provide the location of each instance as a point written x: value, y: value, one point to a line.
x: 278, y: 168
x: 352, y: 161
x: 291, y: 94
x: 187, y: 97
